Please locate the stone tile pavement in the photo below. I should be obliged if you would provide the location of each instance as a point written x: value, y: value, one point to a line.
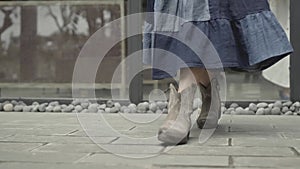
x: 65, y: 141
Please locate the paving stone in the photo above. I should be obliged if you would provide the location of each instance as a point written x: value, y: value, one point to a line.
x: 30, y: 139
x: 5, y: 136
x: 40, y: 157
x: 6, y: 133
x: 272, y: 162
x: 144, y: 134
x: 235, y: 151
x: 38, y: 132
x: 242, y: 135
x: 11, y: 146
x: 284, y: 120
x: 99, y: 133
x: 291, y: 135
x: 181, y: 167
x: 57, y: 139
x: 250, y: 119
x: 251, y: 127
x: 137, y: 141
x: 265, y: 142
x: 102, y: 122
x: 18, y: 126
x: 174, y: 160
x: 70, y: 148
x: 16, y: 165
x: 287, y: 128
x: 132, y: 149
x: 136, y: 119
x: 209, y: 142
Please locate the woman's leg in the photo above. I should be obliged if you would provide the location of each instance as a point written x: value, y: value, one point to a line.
x: 208, y: 84
x: 211, y: 102
x: 175, y: 129
x: 189, y: 76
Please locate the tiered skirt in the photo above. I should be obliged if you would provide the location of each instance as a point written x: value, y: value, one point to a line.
x: 245, y: 35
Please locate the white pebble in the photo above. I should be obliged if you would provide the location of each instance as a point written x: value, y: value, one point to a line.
x: 271, y: 105
x: 260, y: 111
x: 285, y: 109
x: 296, y: 104
x: 118, y: 105
x: 109, y: 103
x: 127, y: 110
x: 49, y: 109
x: 101, y: 111
x: 35, y: 103
x: 289, y: 113
x: 122, y: 109
x: 153, y: 107
x: 107, y: 110
x: 27, y: 108
x: 93, y: 108
x: 114, y: 110
x: 102, y: 106
x: 53, y: 104
x: 84, y: 105
x: 252, y: 107
x: 78, y: 108
x: 57, y: 109
x: 278, y: 104
x: 14, y: 102
x: 276, y: 111
x: 42, y: 107
x: 150, y: 112
x: 239, y: 111
x: 161, y: 105
x: 234, y: 105
x: 18, y: 108
x: 288, y: 103
x: 268, y: 111
x: 158, y: 111
x: 262, y: 105
x: 293, y: 108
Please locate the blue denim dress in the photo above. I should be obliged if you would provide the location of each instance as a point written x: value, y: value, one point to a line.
x: 239, y: 34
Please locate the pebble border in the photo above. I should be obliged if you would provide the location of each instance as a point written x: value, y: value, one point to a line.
x: 159, y: 107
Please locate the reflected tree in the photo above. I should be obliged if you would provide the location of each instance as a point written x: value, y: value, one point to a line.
x: 69, y: 16
x: 7, y: 21
x: 68, y: 38
x: 94, y: 15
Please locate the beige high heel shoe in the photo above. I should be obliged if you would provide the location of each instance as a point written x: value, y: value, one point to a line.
x: 211, y: 109
x: 176, y: 128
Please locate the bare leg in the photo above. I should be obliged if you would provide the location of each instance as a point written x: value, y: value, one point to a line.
x: 188, y: 76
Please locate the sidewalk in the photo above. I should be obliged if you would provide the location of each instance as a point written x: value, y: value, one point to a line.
x: 57, y: 141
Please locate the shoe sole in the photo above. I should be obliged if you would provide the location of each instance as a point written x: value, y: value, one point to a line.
x: 171, y: 140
